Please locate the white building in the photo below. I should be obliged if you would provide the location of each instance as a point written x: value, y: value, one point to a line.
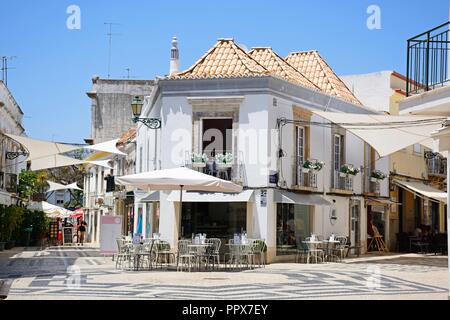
x: 235, y: 101
x: 102, y: 197
x: 11, y: 164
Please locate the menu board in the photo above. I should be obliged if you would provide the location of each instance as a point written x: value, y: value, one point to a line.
x: 67, y: 235
x: 110, y: 230
x: 53, y: 230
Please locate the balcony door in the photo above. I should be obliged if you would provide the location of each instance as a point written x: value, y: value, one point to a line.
x: 217, y: 136
x: 300, y: 154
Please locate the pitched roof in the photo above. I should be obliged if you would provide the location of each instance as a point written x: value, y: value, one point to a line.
x: 224, y: 59
x: 279, y: 67
x: 128, y: 136
x: 314, y: 67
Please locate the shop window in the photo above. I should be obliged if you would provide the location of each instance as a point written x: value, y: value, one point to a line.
x: 217, y: 220
x: 293, y: 226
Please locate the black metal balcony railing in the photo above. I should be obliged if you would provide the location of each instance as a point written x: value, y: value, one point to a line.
x: 342, y: 182
x: 303, y: 177
x: 427, y: 60
x: 436, y: 164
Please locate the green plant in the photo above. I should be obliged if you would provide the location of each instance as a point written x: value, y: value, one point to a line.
x: 224, y: 158
x: 378, y: 174
x: 10, y: 219
x: 313, y: 165
x: 199, y: 158
x: 31, y: 183
x: 349, y: 170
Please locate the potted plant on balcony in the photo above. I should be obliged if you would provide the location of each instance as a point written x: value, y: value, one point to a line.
x: 310, y: 165
x: 347, y: 170
x: 224, y: 160
x: 199, y: 160
x: 377, y: 175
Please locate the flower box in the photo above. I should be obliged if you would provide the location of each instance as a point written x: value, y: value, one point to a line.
x: 372, y: 179
x: 342, y: 174
x: 305, y: 170
x: 224, y: 165
x: 198, y: 164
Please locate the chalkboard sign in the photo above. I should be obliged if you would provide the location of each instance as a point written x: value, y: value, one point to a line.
x: 67, y: 235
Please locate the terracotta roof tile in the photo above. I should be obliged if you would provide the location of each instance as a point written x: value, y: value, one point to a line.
x: 224, y: 59
x: 314, y: 67
x: 129, y: 135
x: 279, y: 67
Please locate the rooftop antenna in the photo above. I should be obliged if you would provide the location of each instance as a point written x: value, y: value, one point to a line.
x: 129, y: 76
x: 110, y: 34
x: 5, y: 68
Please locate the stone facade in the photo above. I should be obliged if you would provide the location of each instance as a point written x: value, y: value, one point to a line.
x: 111, y: 113
x: 11, y: 116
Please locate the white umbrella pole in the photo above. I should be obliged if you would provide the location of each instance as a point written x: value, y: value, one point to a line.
x: 180, y: 210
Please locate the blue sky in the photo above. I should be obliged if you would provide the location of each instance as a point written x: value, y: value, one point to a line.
x: 55, y: 65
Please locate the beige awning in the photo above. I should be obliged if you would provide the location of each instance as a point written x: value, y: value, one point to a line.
x: 282, y: 196
x: 385, y: 133
x: 38, y: 149
x: 190, y: 196
x: 421, y: 189
x: 54, y: 161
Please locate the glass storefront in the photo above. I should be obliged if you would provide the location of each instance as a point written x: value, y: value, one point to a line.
x: 152, y: 219
x: 216, y: 219
x: 293, y: 226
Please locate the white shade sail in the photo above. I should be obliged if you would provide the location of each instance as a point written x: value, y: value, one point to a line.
x: 421, y: 189
x: 282, y: 196
x: 54, y: 186
x: 385, y: 133
x: 50, y: 209
x: 192, y: 196
x: 54, y: 161
x: 100, y: 163
x: 39, y: 148
x: 172, y: 179
x: 108, y: 146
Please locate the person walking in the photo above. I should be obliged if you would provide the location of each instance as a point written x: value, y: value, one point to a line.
x: 82, y: 230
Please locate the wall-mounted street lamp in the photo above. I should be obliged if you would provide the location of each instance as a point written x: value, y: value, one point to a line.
x: 11, y: 155
x: 136, y: 107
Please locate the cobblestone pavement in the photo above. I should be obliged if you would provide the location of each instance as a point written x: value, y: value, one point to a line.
x: 49, y: 274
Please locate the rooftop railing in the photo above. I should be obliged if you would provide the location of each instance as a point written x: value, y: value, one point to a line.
x: 427, y: 60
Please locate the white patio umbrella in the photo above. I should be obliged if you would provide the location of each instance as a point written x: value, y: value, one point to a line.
x: 50, y: 209
x: 178, y: 179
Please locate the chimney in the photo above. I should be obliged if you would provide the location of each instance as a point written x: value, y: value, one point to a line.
x: 174, y: 57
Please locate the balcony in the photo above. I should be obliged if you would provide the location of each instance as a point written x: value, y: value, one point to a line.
x: 436, y: 164
x: 303, y: 179
x: 233, y: 171
x: 427, y: 60
x: 342, y: 183
x: 370, y: 185
x: 10, y: 183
